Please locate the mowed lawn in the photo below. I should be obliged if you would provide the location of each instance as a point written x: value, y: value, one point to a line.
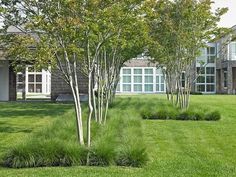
x: 175, y: 148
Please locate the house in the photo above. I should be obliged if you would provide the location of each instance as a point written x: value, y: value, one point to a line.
x: 137, y: 76
x: 217, y: 76
x: 35, y: 83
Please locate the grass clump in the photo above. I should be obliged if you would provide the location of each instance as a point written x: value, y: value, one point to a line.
x: 56, y: 145
x: 133, y: 150
x: 45, y: 153
x: 213, y: 116
x: 166, y: 114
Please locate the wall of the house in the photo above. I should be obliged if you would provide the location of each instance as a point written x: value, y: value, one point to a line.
x: 4, y: 80
x: 59, y: 86
x: 12, y: 84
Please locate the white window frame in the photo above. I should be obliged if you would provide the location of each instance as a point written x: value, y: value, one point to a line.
x: 154, y: 75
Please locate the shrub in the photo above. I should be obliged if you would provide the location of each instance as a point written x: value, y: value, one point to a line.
x: 183, y: 115
x: 213, y: 116
x: 134, y: 156
x: 146, y: 114
x: 47, y: 153
x: 102, y: 152
x: 119, y: 142
x: 161, y: 114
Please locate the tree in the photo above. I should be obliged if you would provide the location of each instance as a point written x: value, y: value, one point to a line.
x: 68, y: 34
x: 179, y: 29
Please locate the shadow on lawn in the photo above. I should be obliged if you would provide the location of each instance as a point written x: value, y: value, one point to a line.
x: 15, y: 110
x: 10, y: 129
x: 138, y: 103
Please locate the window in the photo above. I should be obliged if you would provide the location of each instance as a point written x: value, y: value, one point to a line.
x: 141, y: 80
x: 206, y: 79
x: 35, y: 83
x: 208, y: 55
x: 126, y: 79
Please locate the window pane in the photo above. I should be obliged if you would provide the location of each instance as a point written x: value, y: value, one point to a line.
x: 126, y: 71
x: 162, y: 79
x: 148, y: 79
x: 31, y: 88
x: 137, y: 79
x: 210, y: 70
x: 30, y: 78
x: 148, y: 71
x: 202, y: 59
x: 126, y: 87
x: 38, y: 78
x: 19, y: 87
x: 211, y: 59
x: 210, y: 88
x: 137, y: 71
x: 39, y: 88
x: 210, y: 79
x: 138, y: 87
x: 201, y: 88
x: 159, y: 71
x: 126, y: 79
x: 162, y: 87
x: 148, y: 87
x: 201, y: 79
x: 233, y: 51
x: 19, y: 78
x: 211, y: 51
x: 118, y: 88
x: 157, y: 88
x: 157, y: 79
x: 203, y: 51
x: 200, y: 70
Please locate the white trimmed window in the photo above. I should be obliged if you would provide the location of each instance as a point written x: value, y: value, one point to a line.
x: 206, y: 80
x: 141, y: 80
x: 208, y: 55
x: 35, y: 81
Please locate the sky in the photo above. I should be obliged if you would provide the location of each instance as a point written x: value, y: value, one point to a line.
x: 229, y: 19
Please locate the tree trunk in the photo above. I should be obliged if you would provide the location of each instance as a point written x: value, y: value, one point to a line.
x: 90, y: 109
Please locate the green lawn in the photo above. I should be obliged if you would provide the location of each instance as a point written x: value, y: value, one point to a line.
x: 175, y: 148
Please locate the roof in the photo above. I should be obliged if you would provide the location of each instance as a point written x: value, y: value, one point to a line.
x: 139, y: 63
